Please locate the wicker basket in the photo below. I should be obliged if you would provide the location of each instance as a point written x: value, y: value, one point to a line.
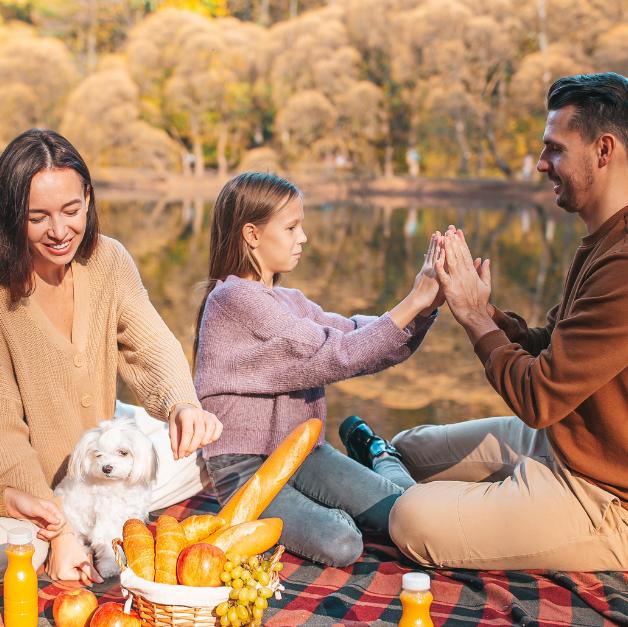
x: 154, y: 614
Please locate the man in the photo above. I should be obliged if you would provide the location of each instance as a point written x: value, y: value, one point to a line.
x: 547, y: 488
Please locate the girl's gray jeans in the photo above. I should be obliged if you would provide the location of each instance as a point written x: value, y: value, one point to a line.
x: 325, y: 503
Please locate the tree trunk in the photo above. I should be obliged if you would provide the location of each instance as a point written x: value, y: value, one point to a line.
x: 542, y: 15
x: 461, y: 137
x: 199, y: 160
x: 92, y: 25
x: 492, y: 146
x: 388, y: 162
x: 264, y: 13
x: 293, y: 9
x: 185, y: 161
x: 221, y: 152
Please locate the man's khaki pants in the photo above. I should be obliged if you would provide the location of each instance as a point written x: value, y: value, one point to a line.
x: 176, y: 480
x: 491, y: 495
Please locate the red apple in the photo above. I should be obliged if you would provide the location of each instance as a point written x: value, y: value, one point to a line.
x: 201, y: 565
x: 74, y: 608
x: 112, y: 615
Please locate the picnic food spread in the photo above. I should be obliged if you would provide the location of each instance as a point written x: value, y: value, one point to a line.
x: 139, y: 548
x: 255, y: 495
x: 224, y: 550
x: 170, y: 541
x: 416, y: 599
x: 20, y: 581
x: 74, y: 608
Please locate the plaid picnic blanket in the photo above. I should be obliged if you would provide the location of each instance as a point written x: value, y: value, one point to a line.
x: 366, y: 593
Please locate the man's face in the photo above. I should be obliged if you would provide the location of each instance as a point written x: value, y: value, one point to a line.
x: 568, y: 161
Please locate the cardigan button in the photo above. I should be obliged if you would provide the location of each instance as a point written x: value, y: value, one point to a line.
x: 79, y: 360
x: 87, y: 400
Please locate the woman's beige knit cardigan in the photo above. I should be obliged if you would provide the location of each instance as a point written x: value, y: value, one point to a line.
x: 52, y: 391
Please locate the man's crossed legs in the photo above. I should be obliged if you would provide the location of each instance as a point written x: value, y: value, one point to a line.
x: 491, y: 495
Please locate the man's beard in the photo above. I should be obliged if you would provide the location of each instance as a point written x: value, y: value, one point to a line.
x: 574, y: 188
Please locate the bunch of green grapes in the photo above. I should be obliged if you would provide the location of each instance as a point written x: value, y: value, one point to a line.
x: 247, y: 601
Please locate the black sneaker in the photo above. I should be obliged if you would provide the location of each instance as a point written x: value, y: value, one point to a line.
x: 361, y: 443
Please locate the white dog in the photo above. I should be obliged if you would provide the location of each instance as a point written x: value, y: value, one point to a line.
x: 109, y: 480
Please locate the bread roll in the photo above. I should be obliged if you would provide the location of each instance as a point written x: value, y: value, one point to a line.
x: 253, y: 497
x: 139, y: 547
x: 249, y: 538
x: 169, y: 543
x: 198, y: 527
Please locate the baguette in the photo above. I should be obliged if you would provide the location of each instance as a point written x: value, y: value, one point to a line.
x: 198, y: 527
x: 248, y: 538
x: 170, y: 542
x: 139, y: 548
x: 254, y: 496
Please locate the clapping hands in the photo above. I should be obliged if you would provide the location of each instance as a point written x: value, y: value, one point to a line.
x: 450, y: 273
x: 465, y: 284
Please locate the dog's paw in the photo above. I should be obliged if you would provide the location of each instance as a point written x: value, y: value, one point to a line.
x: 107, y: 568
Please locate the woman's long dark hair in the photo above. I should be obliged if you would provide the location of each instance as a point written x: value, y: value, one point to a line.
x: 30, y: 153
x: 254, y: 198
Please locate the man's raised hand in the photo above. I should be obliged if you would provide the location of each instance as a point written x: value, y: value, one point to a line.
x: 467, y: 285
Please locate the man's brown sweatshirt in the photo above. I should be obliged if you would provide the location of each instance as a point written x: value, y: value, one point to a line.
x: 571, y: 376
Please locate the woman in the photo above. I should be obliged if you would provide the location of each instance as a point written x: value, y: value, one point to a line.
x: 265, y: 354
x: 74, y: 312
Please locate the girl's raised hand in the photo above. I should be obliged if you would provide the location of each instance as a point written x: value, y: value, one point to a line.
x: 426, y: 283
x: 424, y: 292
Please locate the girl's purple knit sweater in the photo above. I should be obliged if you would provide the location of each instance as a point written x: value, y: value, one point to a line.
x: 265, y: 356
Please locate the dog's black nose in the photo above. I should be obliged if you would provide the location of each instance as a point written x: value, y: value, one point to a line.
x: 107, y: 469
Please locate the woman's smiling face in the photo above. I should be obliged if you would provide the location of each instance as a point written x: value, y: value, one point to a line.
x: 57, y: 217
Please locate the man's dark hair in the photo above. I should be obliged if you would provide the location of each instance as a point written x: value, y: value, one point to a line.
x: 600, y: 101
x: 30, y: 153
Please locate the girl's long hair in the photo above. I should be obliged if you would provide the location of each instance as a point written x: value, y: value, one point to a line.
x: 254, y: 198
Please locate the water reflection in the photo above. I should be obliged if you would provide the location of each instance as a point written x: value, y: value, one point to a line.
x: 364, y: 259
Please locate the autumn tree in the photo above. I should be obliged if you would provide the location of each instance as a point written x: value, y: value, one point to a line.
x: 154, y: 48
x: 36, y: 75
x: 102, y: 119
x: 210, y: 92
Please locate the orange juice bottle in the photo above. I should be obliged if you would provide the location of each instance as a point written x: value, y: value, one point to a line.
x: 20, y: 581
x: 416, y: 599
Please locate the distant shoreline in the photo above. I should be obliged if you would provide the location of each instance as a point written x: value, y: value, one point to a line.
x: 122, y: 184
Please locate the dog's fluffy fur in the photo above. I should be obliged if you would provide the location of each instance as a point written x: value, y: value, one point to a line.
x: 109, y: 480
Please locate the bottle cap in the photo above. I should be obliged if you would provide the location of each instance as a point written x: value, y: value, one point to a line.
x: 19, y: 535
x: 415, y: 582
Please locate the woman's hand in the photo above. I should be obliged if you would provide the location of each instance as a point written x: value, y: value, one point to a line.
x: 191, y: 428
x: 68, y: 561
x: 41, y: 512
x: 424, y: 291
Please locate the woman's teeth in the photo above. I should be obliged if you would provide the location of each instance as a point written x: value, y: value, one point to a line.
x: 60, y: 246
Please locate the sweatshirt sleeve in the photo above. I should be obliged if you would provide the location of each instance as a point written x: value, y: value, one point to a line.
x: 150, y: 358
x: 417, y: 329
x: 587, y: 350
x: 19, y: 464
x: 286, y: 353
x: 533, y: 340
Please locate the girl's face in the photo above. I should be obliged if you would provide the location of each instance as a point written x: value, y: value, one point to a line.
x: 57, y: 216
x: 277, y: 245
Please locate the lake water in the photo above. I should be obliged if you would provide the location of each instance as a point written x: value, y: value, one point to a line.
x: 363, y: 259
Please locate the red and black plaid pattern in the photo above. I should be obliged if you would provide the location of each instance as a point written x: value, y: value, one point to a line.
x: 366, y: 593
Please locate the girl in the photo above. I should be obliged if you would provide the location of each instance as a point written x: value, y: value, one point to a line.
x: 264, y: 355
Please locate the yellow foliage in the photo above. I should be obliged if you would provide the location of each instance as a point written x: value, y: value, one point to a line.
x: 204, y: 7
